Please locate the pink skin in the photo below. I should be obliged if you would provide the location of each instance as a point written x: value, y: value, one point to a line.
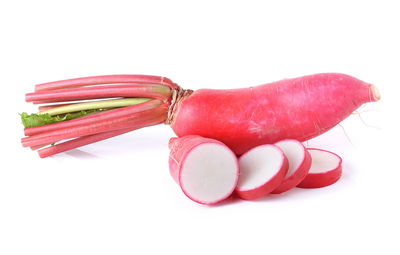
x: 180, y: 148
x: 292, y: 180
x: 299, y: 108
x: 269, y: 185
x: 319, y: 180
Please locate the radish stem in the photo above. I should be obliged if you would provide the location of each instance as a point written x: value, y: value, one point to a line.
x: 105, y: 104
x: 43, y: 108
x: 128, y: 117
x: 98, y: 117
x: 81, y: 141
x: 153, y: 91
x: 105, y: 79
x: 85, y: 140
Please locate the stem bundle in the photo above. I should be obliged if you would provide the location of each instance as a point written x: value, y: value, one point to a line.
x: 142, y: 101
x: 85, y: 140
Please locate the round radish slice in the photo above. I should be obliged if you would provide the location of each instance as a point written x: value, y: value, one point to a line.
x: 326, y: 169
x: 206, y: 169
x: 262, y: 169
x: 299, y: 164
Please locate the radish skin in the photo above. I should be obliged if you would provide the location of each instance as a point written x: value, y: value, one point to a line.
x: 326, y: 169
x: 299, y: 108
x: 262, y: 169
x: 206, y: 170
x: 299, y: 164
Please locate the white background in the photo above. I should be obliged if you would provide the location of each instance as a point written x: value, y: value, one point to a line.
x: 116, y: 196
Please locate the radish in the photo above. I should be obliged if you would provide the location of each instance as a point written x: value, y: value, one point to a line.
x: 299, y: 108
x: 262, y: 170
x: 206, y: 170
x: 299, y: 164
x: 326, y: 169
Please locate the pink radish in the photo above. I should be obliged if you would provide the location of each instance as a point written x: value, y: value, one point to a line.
x: 262, y: 170
x: 299, y: 108
x: 206, y: 170
x: 299, y: 164
x: 326, y: 169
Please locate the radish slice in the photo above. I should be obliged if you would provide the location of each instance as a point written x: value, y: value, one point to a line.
x: 326, y: 169
x: 206, y: 170
x: 262, y: 170
x: 299, y: 164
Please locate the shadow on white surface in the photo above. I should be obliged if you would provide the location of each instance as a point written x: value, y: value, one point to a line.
x: 79, y: 153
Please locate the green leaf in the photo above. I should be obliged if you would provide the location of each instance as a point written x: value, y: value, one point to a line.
x: 35, y: 120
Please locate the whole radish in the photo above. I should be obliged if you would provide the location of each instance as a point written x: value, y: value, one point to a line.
x: 206, y: 170
x: 299, y: 108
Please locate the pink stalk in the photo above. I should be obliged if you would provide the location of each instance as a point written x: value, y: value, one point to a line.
x: 85, y: 140
x: 95, y: 117
x: 39, y: 146
x: 81, y: 141
x: 151, y: 91
x: 131, y: 118
x: 106, y: 79
x: 43, y: 108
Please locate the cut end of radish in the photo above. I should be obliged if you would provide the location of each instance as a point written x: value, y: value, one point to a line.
x: 326, y: 169
x: 299, y: 164
x: 261, y: 171
x: 209, y: 173
x: 375, y: 93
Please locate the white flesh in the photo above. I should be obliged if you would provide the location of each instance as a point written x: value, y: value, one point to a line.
x: 258, y: 166
x: 209, y: 173
x: 323, y: 161
x: 295, y: 154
